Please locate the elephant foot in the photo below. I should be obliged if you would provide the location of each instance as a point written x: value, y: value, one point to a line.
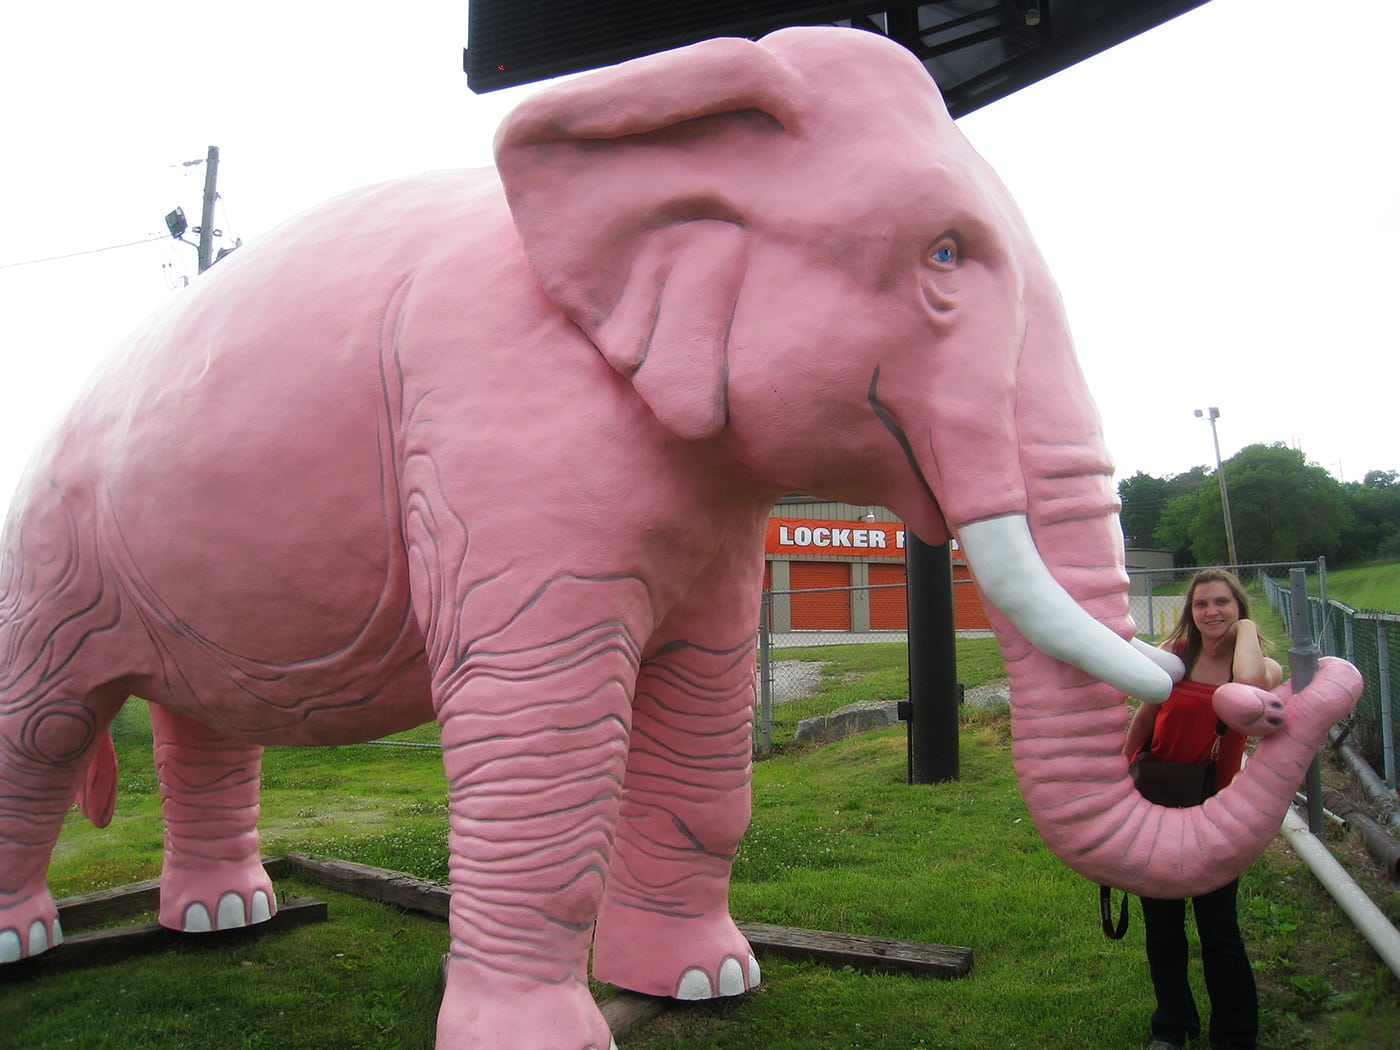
x: 485, y: 1008
x: 217, y: 897
x: 683, y: 958
x: 28, y: 924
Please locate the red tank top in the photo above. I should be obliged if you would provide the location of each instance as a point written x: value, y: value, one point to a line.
x: 1184, y: 731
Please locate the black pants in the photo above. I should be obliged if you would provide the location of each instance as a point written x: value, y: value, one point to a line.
x: 1234, y: 1000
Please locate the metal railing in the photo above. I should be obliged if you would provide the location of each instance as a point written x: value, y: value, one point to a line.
x: 1369, y: 640
x: 858, y: 599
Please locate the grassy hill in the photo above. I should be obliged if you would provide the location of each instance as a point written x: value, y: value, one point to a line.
x: 1368, y: 588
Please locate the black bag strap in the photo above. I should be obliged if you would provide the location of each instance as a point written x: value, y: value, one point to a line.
x: 1220, y: 731
x: 1111, y: 931
x: 1116, y: 931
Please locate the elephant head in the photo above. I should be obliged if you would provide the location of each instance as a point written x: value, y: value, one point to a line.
x: 793, y: 254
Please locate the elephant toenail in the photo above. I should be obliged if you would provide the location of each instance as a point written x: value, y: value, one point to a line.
x: 695, y: 984
x: 197, y: 919
x: 231, y: 913
x: 38, y: 937
x: 731, y: 978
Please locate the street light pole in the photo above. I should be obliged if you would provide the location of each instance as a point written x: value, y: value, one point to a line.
x: 1224, y: 492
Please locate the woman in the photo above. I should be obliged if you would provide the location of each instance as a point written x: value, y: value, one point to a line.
x: 1218, y: 643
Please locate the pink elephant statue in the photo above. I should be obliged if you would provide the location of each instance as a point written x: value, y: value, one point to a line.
x: 497, y: 448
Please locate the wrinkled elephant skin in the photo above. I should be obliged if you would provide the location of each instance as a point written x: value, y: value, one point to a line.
x: 497, y: 448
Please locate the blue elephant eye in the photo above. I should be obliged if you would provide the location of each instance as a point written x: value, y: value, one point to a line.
x: 944, y: 254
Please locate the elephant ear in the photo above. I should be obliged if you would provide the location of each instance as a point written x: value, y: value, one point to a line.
x: 627, y: 188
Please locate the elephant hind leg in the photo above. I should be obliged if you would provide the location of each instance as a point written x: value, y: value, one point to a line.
x: 212, y: 878
x: 47, y: 744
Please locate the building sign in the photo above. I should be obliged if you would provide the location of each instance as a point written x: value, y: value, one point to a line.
x: 836, y: 539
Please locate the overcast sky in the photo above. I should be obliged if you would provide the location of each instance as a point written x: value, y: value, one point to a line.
x: 1217, y: 198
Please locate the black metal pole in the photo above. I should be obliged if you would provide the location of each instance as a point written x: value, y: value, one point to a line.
x: 1302, y: 665
x: 933, y: 670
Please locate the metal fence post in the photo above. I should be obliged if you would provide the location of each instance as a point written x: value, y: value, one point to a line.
x: 765, y: 675
x: 1387, y: 722
x: 1302, y: 661
x: 1327, y: 646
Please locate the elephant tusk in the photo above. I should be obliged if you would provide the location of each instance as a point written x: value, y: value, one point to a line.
x: 1013, y: 577
x: 1166, y: 661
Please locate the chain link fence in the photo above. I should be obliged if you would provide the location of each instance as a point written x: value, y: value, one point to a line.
x: 1370, y: 641
x: 1367, y: 639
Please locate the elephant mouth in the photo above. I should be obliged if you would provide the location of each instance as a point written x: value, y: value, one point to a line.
x: 887, y: 420
x: 1013, y: 577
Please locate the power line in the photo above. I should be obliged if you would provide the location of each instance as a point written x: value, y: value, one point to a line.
x: 74, y: 255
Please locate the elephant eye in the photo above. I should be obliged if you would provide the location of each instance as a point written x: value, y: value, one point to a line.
x: 944, y: 253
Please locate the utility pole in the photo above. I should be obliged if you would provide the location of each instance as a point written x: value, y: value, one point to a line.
x: 1224, y: 492
x: 206, y: 220
x: 178, y: 226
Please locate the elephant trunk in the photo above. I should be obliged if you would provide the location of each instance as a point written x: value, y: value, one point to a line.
x: 1067, y: 741
x: 1068, y: 724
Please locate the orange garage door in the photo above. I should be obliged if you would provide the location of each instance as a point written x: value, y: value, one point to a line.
x: 826, y: 609
x: 889, y: 607
x: 968, y: 614
x: 889, y: 598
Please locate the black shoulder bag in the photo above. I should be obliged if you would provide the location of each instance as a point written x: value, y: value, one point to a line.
x: 1176, y: 784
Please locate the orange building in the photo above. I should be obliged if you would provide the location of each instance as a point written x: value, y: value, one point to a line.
x: 837, y: 567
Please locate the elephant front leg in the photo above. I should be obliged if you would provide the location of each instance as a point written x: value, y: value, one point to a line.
x: 212, y: 877
x: 665, y: 928
x: 534, y: 745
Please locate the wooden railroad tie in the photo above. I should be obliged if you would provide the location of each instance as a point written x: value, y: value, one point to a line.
x: 623, y: 1011
x: 98, y: 946
x: 874, y: 954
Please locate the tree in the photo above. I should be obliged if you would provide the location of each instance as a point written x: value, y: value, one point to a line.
x: 1375, y: 508
x: 1145, y: 501
x: 1282, y: 507
x: 1144, y: 498
x: 1173, y: 532
x: 1381, y: 479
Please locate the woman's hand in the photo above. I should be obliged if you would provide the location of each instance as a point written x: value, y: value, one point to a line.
x: 1249, y: 664
x: 1225, y: 643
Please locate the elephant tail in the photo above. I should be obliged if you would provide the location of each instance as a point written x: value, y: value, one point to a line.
x: 97, y: 798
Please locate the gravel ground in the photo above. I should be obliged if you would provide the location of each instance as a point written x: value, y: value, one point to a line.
x: 794, y: 679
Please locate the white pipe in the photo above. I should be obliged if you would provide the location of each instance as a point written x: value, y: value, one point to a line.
x: 1369, y: 919
x: 1300, y: 799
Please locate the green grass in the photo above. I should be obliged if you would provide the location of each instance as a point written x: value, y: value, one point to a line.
x: 879, y: 671
x: 838, y: 842
x: 1368, y: 588
x: 366, y: 979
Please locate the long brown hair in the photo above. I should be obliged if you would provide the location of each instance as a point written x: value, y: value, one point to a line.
x: 1185, y: 638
